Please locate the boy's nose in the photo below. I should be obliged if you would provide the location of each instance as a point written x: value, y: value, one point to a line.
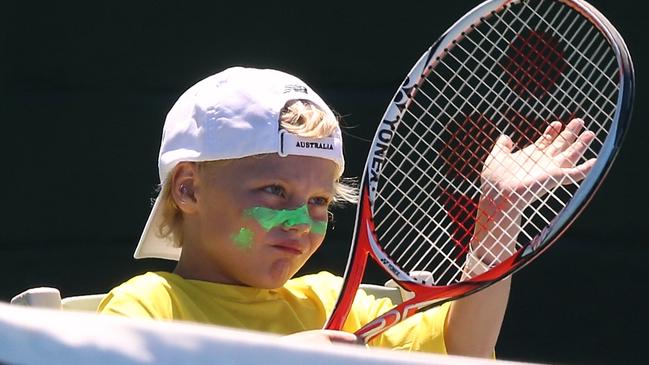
x: 297, y: 227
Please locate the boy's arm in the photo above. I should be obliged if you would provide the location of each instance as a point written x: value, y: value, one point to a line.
x: 473, y: 323
x: 510, y: 181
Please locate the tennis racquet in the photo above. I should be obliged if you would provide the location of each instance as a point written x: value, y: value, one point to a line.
x: 492, y: 146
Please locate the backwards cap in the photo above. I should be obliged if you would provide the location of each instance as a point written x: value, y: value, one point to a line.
x: 232, y: 114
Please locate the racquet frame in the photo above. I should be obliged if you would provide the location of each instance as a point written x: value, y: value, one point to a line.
x: 365, y: 242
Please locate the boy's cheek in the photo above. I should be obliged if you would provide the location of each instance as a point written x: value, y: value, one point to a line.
x: 316, y: 241
x: 243, y: 239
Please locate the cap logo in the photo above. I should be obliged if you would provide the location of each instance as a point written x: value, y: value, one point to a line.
x: 329, y: 147
x: 295, y: 88
x: 316, y: 145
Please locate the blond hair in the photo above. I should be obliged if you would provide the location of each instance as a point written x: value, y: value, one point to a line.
x: 299, y: 117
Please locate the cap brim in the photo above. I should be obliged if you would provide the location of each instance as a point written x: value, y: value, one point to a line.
x: 151, y: 245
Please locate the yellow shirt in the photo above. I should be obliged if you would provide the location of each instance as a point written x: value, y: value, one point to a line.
x: 302, y: 304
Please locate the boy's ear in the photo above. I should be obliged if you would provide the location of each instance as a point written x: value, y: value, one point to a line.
x: 183, y: 186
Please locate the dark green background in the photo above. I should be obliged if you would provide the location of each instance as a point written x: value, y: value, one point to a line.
x: 85, y: 88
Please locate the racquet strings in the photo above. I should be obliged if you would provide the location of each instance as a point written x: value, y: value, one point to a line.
x: 512, y: 73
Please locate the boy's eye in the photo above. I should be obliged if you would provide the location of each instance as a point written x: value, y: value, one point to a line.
x: 320, y: 201
x: 275, y: 190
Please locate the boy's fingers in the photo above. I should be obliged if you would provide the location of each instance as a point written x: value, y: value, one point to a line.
x: 567, y: 137
x: 573, y: 153
x: 341, y: 336
x: 579, y: 172
x: 548, y: 135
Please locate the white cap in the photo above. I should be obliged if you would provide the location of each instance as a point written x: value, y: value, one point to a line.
x: 232, y: 114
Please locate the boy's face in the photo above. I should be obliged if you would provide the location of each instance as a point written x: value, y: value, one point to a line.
x: 256, y: 220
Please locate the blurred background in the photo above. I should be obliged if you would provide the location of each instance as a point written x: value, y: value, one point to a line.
x: 85, y: 88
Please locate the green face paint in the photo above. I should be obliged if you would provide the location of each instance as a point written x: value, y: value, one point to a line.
x: 270, y: 218
x: 243, y: 239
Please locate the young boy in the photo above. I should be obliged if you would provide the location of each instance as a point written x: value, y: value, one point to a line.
x: 249, y: 164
